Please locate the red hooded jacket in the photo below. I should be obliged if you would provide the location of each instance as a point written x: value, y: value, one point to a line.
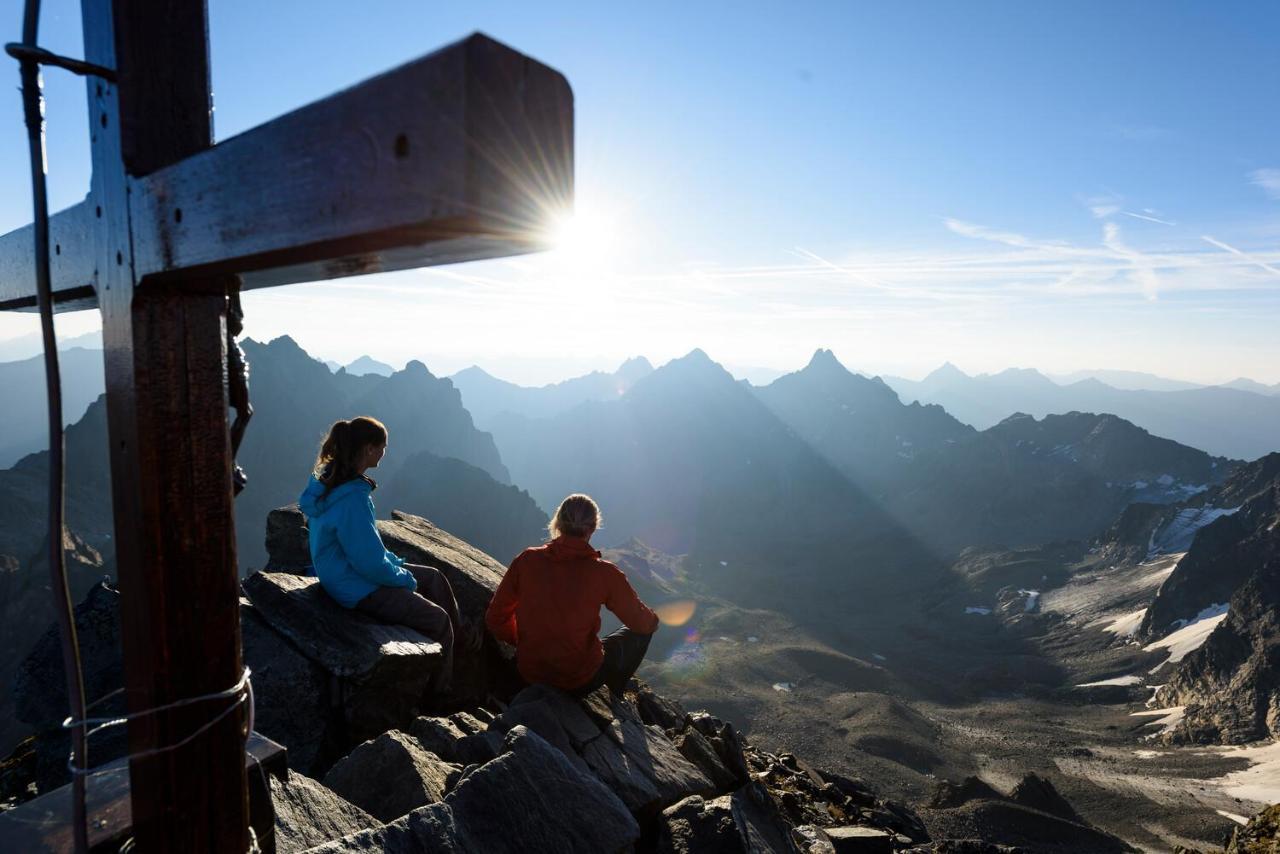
x: 548, y: 607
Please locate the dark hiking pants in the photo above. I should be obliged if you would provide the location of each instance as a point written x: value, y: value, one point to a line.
x: 432, y: 611
x: 623, y: 652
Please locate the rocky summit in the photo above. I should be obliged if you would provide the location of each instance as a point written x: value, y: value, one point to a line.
x: 497, y: 767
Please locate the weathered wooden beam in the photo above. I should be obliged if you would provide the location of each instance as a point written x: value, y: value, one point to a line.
x: 462, y: 155
x: 165, y: 358
x: 71, y: 268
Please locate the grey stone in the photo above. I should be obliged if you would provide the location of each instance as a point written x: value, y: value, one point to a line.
x: 578, y: 725
x: 760, y: 822
x: 479, y: 748
x: 390, y: 776
x: 288, y: 546
x: 308, y: 814
x: 427, y: 830
x: 644, y: 768
x: 290, y: 693
x: 695, y: 747
x: 860, y: 840
x: 812, y: 840
x: 658, y: 710
x: 383, y: 669
x: 539, y: 717
x: 439, y: 735
x: 698, y: 826
x: 533, y: 799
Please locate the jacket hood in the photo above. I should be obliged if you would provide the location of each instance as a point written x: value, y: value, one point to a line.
x: 315, y: 503
x: 568, y: 548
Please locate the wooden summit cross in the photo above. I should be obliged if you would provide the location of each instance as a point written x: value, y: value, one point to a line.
x: 461, y: 155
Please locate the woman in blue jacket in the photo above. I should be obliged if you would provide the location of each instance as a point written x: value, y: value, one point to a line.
x: 350, y: 560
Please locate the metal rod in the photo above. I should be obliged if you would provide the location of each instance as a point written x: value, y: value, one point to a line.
x: 33, y: 110
x: 23, y: 51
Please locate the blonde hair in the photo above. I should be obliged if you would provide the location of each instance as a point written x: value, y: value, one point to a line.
x: 577, y: 516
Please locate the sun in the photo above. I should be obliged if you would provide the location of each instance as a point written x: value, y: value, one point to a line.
x: 587, y: 238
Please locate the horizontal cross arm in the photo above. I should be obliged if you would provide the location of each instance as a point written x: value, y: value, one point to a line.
x: 462, y: 155
x: 71, y: 268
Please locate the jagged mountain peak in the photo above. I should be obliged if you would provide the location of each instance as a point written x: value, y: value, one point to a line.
x: 946, y: 371
x: 825, y: 360
x: 634, y: 368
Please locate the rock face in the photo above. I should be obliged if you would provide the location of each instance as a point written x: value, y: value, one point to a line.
x: 308, y: 814
x: 473, y: 575
x: 502, y: 806
x: 390, y: 776
x: 1230, y: 686
x: 383, y: 669
x: 1223, y: 554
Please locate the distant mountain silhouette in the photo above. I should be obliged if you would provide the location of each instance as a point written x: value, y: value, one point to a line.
x: 26, y: 606
x: 368, y: 365
x: 1127, y: 380
x: 1221, y: 420
x: 486, y: 396
x: 22, y: 389
x: 690, y: 461
x: 1024, y: 482
x: 858, y: 424
x: 1246, y: 384
x: 296, y: 398
x: 500, y: 520
x: 1020, y: 482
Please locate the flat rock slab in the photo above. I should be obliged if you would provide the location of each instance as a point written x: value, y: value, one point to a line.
x: 309, y: 814
x: 698, y: 826
x: 390, y: 776
x: 644, y: 768
x: 343, y: 641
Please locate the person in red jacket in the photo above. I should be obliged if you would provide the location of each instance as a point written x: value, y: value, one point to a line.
x: 548, y: 608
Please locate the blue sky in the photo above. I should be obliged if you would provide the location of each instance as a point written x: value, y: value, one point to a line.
x: 1060, y: 186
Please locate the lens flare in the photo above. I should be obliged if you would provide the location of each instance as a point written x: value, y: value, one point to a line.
x: 676, y: 613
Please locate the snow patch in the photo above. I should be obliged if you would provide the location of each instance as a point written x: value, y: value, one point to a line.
x: 1260, y: 782
x: 1176, y: 535
x: 1167, y: 719
x: 783, y: 687
x: 1190, y: 637
x: 878, y: 657
x: 1147, y: 754
x: 753, y: 639
x: 1165, y: 480
x: 724, y: 563
x: 1033, y: 600
x: 975, y: 609
x: 1238, y: 819
x: 1115, y: 680
x: 1126, y: 626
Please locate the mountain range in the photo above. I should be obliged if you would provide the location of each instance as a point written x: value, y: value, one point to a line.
x: 1222, y: 420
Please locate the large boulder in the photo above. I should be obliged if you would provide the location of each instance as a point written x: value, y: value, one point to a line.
x: 291, y: 696
x: 473, y: 575
x: 288, y: 545
x: 309, y: 814
x: 382, y: 670
x: 698, y: 826
x: 637, y: 761
x: 390, y: 776
x: 503, y: 806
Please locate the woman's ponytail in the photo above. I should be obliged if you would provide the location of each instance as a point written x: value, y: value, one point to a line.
x: 339, y: 457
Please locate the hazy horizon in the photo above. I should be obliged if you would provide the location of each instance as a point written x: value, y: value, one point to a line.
x: 903, y: 188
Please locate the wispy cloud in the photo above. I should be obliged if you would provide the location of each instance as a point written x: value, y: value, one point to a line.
x: 1268, y: 180
x: 1148, y: 218
x: 1234, y: 251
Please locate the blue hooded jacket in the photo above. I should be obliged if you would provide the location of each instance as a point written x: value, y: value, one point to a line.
x: 350, y: 559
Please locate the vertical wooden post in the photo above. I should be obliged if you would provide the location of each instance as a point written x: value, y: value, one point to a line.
x: 165, y: 352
